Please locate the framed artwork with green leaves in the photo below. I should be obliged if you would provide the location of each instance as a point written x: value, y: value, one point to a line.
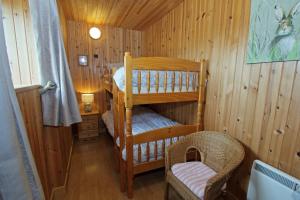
x: 274, y: 34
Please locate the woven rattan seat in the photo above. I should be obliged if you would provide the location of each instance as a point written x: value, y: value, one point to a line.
x: 220, y: 152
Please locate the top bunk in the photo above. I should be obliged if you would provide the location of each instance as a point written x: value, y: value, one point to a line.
x: 109, y: 71
x: 154, y: 80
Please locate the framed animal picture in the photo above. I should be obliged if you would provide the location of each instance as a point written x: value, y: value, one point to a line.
x: 274, y: 31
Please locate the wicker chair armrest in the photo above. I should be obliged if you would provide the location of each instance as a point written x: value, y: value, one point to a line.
x: 215, y: 184
x: 175, y: 153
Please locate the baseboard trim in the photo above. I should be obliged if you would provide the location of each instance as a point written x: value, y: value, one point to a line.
x: 61, y: 190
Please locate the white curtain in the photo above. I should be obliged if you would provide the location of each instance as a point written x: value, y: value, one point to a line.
x: 18, y: 175
x: 59, y: 105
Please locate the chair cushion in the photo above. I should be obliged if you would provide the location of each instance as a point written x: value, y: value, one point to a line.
x: 194, y: 175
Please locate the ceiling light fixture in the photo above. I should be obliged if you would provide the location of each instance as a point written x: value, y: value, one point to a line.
x: 95, y: 33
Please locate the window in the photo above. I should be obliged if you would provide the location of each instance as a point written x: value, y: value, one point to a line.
x: 20, y: 43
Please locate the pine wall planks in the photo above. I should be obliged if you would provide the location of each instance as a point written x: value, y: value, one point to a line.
x: 108, y: 49
x: 30, y: 105
x: 51, y: 146
x: 19, y: 42
x: 63, y: 22
x: 258, y: 104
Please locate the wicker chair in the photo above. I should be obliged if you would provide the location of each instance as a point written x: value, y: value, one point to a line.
x: 219, y: 151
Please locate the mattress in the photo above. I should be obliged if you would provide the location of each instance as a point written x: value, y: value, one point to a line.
x: 143, y: 119
x: 160, y: 151
x: 108, y: 119
x: 119, y: 78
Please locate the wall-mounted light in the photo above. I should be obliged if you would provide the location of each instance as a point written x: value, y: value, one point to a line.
x: 95, y: 33
x: 83, y: 60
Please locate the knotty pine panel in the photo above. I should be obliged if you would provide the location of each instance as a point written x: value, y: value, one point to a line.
x: 131, y: 14
x: 63, y: 23
x: 50, y: 146
x: 258, y: 104
x: 20, y: 42
x: 30, y: 105
x: 110, y: 48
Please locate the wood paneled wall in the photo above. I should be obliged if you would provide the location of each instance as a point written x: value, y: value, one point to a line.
x: 30, y: 104
x: 258, y: 104
x: 63, y: 23
x: 51, y: 147
x: 19, y: 42
x: 108, y: 49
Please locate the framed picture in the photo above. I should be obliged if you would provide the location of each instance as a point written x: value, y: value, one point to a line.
x: 83, y: 60
x: 274, y: 31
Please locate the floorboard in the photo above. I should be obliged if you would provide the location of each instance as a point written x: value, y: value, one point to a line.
x: 93, y: 176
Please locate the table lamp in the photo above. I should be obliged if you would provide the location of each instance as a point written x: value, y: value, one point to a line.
x: 87, y: 100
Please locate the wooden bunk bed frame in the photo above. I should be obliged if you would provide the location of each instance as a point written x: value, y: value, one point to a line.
x: 109, y: 71
x: 124, y: 102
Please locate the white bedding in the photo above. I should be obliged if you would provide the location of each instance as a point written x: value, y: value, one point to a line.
x: 143, y: 119
x: 160, y: 150
x: 108, y: 119
x: 119, y: 78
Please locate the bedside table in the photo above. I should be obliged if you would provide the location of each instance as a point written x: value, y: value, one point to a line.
x: 89, y: 127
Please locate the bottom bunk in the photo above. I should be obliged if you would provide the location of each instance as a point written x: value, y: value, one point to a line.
x: 108, y: 119
x: 143, y: 120
x: 144, y: 149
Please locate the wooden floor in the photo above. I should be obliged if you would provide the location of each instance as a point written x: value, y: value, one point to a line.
x: 93, y: 175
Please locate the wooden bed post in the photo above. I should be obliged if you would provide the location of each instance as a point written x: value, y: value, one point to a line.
x: 202, y: 85
x: 122, y: 137
x: 116, y: 128
x: 129, y: 139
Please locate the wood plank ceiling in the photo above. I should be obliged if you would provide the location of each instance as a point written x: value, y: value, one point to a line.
x: 131, y: 14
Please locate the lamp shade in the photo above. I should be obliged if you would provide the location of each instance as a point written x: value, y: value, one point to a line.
x: 95, y: 33
x: 87, y: 98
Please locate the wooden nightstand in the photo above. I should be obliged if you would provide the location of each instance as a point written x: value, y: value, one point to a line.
x: 89, y: 127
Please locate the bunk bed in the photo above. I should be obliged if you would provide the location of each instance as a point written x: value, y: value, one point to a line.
x: 152, y: 80
x: 109, y: 70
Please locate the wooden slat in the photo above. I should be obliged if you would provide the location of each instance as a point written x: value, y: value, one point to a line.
x: 164, y: 63
x: 139, y: 81
x: 194, y: 82
x: 157, y: 82
x: 148, y: 81
x: 144, y: 167
x: 187, y: 81
x: 180, y: 81
x: 148, y: 152
x: 155, y: 150
x: 173, y: 81
x: 164, y: 133
x: 139, y: 153
x: 166, y: 82
x: 156, y: 98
